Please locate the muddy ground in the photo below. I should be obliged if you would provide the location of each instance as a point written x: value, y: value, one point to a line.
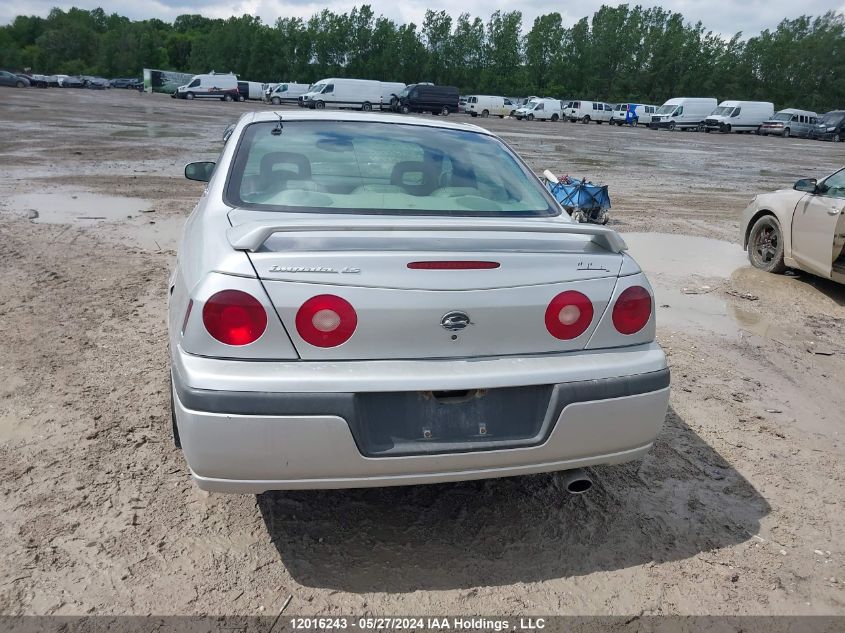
x: 738, y: 509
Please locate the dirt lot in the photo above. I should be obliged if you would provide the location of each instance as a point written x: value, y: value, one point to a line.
x: 739, y: 509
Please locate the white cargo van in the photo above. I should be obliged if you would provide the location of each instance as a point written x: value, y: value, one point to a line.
x: 586, y: 111
x: 210, y: 86
x: 790, y: 122
x: 632, y: 113
x: 539, y: 108
x: 390, y: 90
x: 683, y: 113
x: 739, y: 116
x: 354, y: 94
x: 250, y: 90
x: 285, y: 93
x: 486, y: 105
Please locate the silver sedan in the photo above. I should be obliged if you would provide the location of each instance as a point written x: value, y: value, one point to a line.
x: 373, y: 300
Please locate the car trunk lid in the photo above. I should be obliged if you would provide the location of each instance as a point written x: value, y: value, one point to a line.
x: 405, y: 277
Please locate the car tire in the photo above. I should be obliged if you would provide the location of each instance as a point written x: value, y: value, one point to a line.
x: 189, y: 96
x: 444, y: 111
x: 671, y: 126
x: 227, y: 97
x: 501, y: 116
x: 585, y: 119
x: 20, y: 84
x: 786, y: 133
x: 555, y: 118
x: 367, y: 107
x: 276, y: 101
x: 765, y: 245
x: 404, y: 109
x: 485, y: 114
x: 530, y: 117
x: 319, y: 105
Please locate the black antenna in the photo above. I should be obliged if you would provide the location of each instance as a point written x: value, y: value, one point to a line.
x: 279, y: 126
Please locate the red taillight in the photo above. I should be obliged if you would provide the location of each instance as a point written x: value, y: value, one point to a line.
x: 326, y: 321
x: 632, y: 310
x: 453, y: 265
x: 234, y: 317
x: 569, y: 315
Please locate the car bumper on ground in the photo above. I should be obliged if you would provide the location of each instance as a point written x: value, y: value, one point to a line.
x: 249, y: 427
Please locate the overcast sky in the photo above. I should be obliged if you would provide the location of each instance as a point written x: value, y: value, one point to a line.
x: 722, y: 16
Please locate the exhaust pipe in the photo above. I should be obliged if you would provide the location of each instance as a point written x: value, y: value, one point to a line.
x: 577, y: 481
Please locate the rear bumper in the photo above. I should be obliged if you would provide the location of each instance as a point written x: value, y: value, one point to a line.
x: 284, y: 425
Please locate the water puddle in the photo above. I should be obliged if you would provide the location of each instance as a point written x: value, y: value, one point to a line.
x: 14, y: 429
x: 77, y: 208
x: 154, y: 132
x: 690, y: 276
x: 667, y: 150
x: 683, y: 255
x: 524, y: 135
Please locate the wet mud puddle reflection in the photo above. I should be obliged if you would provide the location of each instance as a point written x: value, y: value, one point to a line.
x: 691, y: 276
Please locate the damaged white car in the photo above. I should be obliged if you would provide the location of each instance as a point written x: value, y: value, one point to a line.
x: 373, y: 300
x: 802, y: 227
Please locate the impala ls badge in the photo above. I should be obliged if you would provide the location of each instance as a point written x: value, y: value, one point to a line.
x: 455, y: 321
x: 314, y: 269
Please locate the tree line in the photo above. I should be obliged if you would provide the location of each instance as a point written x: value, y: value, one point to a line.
x: 620, y: 53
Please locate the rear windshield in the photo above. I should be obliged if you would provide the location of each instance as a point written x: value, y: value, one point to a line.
x: 381, y: 168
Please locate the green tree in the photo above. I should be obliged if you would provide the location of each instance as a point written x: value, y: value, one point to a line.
x: 544, y: 52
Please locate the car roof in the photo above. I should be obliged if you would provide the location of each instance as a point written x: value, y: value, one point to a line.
x: 360, y: 117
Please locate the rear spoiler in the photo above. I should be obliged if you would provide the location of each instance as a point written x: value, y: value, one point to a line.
x: 251, y: 236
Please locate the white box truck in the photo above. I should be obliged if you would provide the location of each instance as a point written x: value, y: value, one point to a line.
x: 683, y: 113
x: 353, y: 94
x: 739, y: 116
x: 210, y: 86
x: 285, y: 93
